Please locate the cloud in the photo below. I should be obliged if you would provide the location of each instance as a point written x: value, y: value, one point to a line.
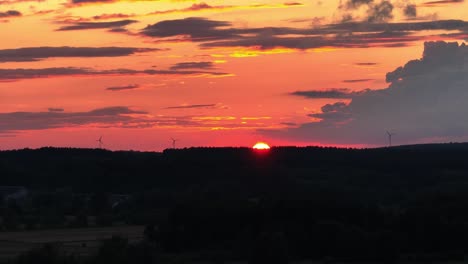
x: 337, y: 113
x: 436, y: 56
x: 357, y: 80
x: 192, y: 106
x: 10, y: 2
x: 52, y: 109
x: 84, y: 2
x: 216, y: 33
x: 334, y: 93
x: 293, y: 4
x: 197, y: 29
x: 111, y: 16
x: 366, y: 63
x: 353, y: 4
x: 442, y: 2
x: 97, y: 25
x: 122, y: 88
x: 10, y: 13
x: 12, y: 123
x: 193, y: 7
x: 380, y: 12
x: 425, y: 100
x: 39, y: 53
x: 17, y: 121
x: 410, y: 11
x: 20, y: 73
x: 193, y: 65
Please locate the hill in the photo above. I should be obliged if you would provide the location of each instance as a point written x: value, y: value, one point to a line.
x: 399, y: 203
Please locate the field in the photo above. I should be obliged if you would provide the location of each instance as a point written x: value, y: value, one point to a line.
x: 80, y: 242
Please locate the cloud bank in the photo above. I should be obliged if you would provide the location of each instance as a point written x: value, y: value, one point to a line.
x: 426, y: 100
x: 39, y: 53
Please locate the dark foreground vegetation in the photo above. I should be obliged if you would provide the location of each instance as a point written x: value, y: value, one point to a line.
x: 396, y: 204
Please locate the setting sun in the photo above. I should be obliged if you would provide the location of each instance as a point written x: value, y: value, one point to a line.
x: 261, y: 146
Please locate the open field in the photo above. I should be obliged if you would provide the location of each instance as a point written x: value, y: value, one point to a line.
x: 80, y: 241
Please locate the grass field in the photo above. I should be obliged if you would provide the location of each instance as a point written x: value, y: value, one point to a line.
x: 79, y: 241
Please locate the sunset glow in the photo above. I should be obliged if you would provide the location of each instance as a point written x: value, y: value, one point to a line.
x: 217, y: 73
x: 261, y: 146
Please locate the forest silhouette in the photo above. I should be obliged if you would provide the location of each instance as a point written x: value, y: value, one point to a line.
x: 405, y: 203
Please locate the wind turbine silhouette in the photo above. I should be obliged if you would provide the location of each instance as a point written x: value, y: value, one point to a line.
x: 100, y: 142
x: 390, y: 135
x: 174, y: 142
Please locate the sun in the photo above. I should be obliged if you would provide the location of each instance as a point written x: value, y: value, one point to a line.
x: 261, y: 146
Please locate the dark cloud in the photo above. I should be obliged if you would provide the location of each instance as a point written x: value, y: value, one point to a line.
x: 17, y: 121
x: 52, y: 109
x: 290, y: 124
x: 410, y: 11
x: 329, y: 93
x: 193, y: 65
x: 115, y: 116
x: 122, y: 88
x: 293, y: 4
x: 395, y: 27
x: 442, y: 2
x: 337, y: 112
x: 97, y: 25
x: 197, y: 29
x: 82, y: 2
x: 380, y: 12
x: 20, y: 73
x: 357, y: 80
x: 10, y: 13
x: 111, y: 16
x: 437, y: 55
x: 336, y: 107
x: 384, y: 39
x: 353, y: 4
x: 424, y: 102
x: 366, y: 63
x: 214, y: 33
x: 10, y: 2
x: 193, y: 7
x: 39, y: 53
x: 191, y: 106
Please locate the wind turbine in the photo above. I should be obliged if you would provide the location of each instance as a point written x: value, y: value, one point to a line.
x: 100, y: 142
x: 174, y: 142
x: 390, y: 135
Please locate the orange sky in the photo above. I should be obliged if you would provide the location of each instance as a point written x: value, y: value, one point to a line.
x: 209, y: 73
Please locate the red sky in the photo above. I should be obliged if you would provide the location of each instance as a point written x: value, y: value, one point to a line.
x: 221, y: 73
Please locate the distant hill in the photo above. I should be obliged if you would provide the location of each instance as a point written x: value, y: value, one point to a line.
x: 381, y: 204
x: 292, y: 170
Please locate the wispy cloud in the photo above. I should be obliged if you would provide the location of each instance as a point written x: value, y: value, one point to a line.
x: 10, y: 13
x: 191, y: 106
x: 11, y: 2
x: 216, y: 33
x: 442, y: 2
x: 17, y: 121
x: 97, y: 25
x: 193, y: 65
x: 123, y: 88
x: 357, y: 80
x: 39, y: 53
x: 54, y: 109
x: 20, y: 73
x: 335, y: 93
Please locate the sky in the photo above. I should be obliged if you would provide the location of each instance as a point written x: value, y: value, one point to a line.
x: 231, y: 73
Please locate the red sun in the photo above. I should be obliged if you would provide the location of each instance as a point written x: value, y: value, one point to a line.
x: 261, y: 146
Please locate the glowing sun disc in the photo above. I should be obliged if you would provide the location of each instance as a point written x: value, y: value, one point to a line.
x: 261, y: 146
